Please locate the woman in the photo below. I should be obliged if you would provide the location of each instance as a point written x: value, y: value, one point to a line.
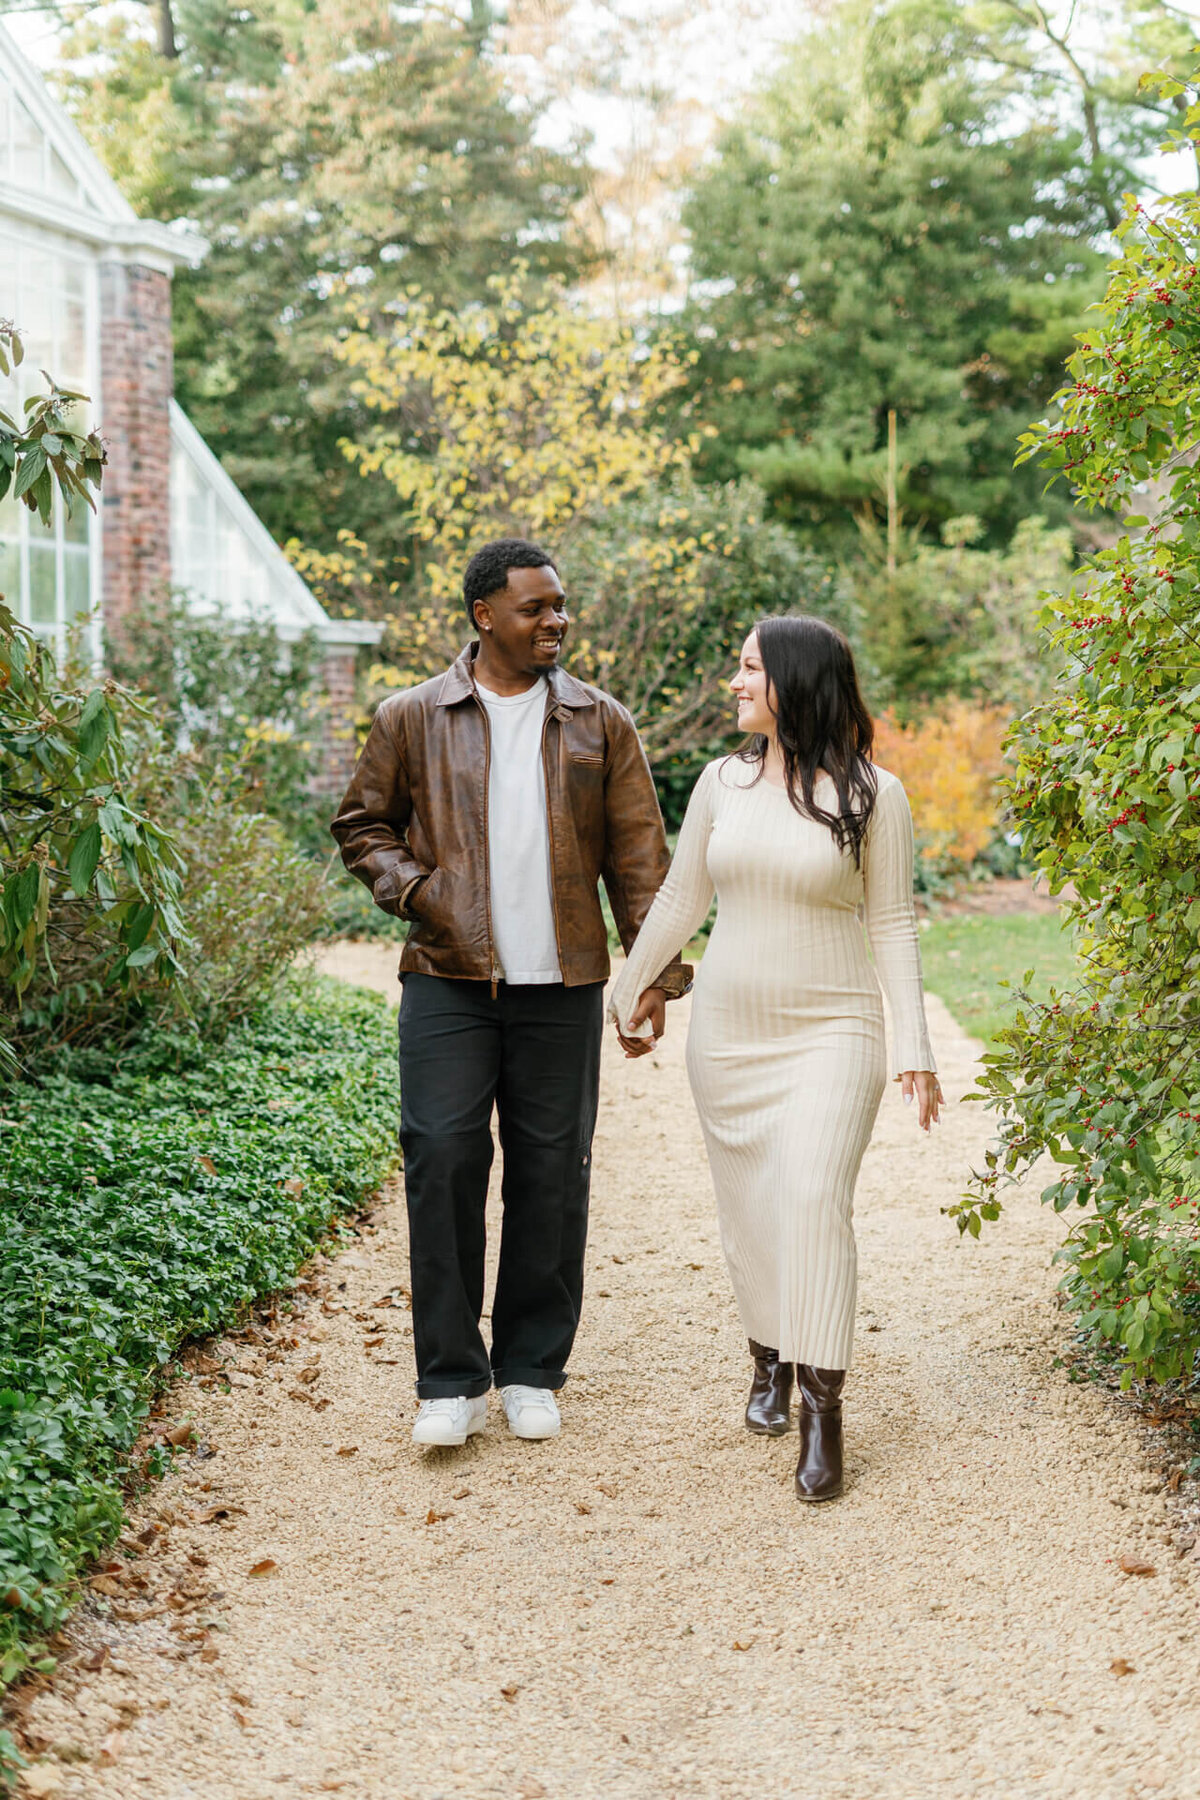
x: 786, y: 1052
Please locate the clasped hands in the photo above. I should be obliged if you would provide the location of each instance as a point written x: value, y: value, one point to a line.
x: 652, y: 1009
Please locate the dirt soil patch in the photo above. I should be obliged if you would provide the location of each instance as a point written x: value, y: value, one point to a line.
x: 640, y: 1610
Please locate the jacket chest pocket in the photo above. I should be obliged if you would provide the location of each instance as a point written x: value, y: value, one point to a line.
x: 585, y: 794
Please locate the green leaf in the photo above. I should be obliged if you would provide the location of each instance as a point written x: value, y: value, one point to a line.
x: 25, y: 897
x: 32, y: 467
x: 85, y: 854
x: 95, y: 723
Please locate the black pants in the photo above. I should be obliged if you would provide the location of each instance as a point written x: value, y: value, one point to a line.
x: 533, y: 1052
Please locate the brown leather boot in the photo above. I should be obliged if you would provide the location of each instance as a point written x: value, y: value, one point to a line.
x: 770, y: 1405
x: 819, y: 1471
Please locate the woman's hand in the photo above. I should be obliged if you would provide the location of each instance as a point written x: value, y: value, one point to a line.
x: 652, y: 1007
x: 928, y: 1089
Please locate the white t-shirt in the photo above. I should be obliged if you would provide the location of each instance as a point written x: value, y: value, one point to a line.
x: 519, y: 838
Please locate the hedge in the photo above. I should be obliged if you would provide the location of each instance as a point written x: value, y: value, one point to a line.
x: 142, y: 1205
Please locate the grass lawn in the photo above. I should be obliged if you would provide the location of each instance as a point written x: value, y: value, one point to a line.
x: 966, y: 956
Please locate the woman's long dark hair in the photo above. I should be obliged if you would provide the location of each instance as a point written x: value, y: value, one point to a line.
x: 821, y: 721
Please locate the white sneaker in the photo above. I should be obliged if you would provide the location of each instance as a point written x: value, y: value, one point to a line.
x: 449, y: 1420
x: 531, y: 1412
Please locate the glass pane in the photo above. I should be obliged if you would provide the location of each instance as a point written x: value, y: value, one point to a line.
x: 77, y: 597
x: 72, y: 347
x: 77, y: 528
x: 5, y: 102
x: 10, y: 573
x: 10, y: 516
x: 27, y: 147
x: 8, y: 258
x: 43, y: 587
x: 61, y: 179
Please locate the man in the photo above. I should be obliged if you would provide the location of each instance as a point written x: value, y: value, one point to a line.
x: 486, y: 805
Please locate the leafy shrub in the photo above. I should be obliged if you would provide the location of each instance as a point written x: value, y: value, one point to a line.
x: 146, y: 1208
x: 955, y: 620
x: 246, y: 705
x: 247, y: 898
x: 1106, y: 791
x: 90, y: 880
x: 251, y: 901
x: 950, y: 765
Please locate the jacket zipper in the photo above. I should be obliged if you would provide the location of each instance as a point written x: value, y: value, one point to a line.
x: 487, y: 860
x: 550, y: 834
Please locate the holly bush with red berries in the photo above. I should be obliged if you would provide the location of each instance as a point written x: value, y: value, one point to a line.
x: 1104, y: 787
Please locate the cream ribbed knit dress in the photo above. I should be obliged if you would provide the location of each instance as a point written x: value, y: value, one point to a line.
x: 786, y: 1052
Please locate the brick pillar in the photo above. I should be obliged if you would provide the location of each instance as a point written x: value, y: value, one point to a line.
x: 339, y: 747
x: 136, y: 382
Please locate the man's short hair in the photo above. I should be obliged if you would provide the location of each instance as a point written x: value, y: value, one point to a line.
x: 487, y: 571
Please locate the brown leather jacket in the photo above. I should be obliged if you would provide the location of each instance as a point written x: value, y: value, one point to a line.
x: 413, y: 825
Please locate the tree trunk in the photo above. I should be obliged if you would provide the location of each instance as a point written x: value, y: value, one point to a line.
x: 166, y: 30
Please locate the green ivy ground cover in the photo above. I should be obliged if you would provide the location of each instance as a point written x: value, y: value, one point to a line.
x: 144, y: 1209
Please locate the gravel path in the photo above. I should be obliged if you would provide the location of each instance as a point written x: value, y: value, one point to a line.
x: 640, y: 1610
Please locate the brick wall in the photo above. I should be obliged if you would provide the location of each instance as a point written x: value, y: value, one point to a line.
x: 136, y: 380
x: 339, y: 749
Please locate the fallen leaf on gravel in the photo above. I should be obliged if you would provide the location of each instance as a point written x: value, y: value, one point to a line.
x: 1133, y: 1565
x: 330, y: 1785
x: 695, y: 1265
x: 241, y: 1719
x: 267, y: 1566
x: 209, y: 1653
x: 581, y: 1506
x: 147, y: 1537
x: 240, y: 1699
x: 608, y: 1487
x: 1120, y: 1667
x: 435, y: 1518
x: 1174, y: 1481
x: 111, y: 1749
x: 348, y: 1450
x: 460, y: 1494
x: 739, y: 1645
x: 210, y: 1513
x: 531, y: 1789
x: 179, y: 1434
x: 41, y: 1782
x: 403, y: 1511
x: 310, y: 1374
x: 96, y: 1660
x: 104, y: 1584
x: 511, y: 1692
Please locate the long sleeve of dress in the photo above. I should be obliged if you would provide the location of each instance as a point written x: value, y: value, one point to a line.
x: 680, y: 906
x: 892, y: 927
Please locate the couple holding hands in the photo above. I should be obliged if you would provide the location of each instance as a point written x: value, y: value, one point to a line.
x: 487, y: 805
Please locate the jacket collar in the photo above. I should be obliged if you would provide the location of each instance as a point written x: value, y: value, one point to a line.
x: 458, y: 683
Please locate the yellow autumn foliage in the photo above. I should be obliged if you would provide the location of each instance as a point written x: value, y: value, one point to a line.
x: 949, y: 764
x: 514, y: 416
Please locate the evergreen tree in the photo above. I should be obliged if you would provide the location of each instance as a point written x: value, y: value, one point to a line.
x: 884, y: 232
x: 321, y: 146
